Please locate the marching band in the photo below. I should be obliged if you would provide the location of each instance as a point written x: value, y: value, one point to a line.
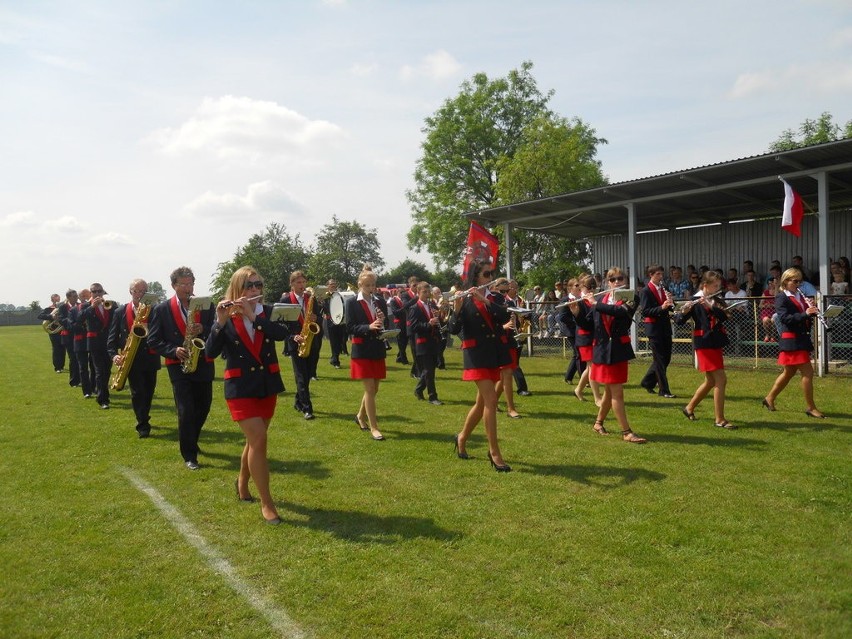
x: 107, y: 345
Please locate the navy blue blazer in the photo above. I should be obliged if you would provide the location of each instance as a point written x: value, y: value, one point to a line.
x: 585, y: 332
x: 484, y: 342
x: 796, y: 335
x: 146, y: 358
x: 657, y: 319
x: 251, y: 367
x: 97, y: 329
x: 366, y: 343
x: 612, y: 346
x: 77, y: 327
x: 165, y: 336
x: 709, y: 330
x: 427, y: 338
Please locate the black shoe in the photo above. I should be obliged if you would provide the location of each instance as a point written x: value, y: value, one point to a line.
x: 524, y: 393
x: 436, y: 402
x: 650, y: 389
x: 105, y: 406
x: 419, y: 396
x: 144, y: 434
x: 87, y: 396
x: 315, y: 378
x: 192, y: 465
x: 239, y: 497
x: 668, y: 395
x: 461, y: 454
x: 404, y: 362
x: 505, y: 468
x: 309, y: 415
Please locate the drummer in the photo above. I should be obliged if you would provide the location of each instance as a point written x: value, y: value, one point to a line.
x: 334, y: 326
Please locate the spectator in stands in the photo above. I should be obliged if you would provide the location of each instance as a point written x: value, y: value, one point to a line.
x: 839, y: 286
x: 750, y: 285
x: 677, y: 286
x: 844, y: 262
x: 733, y: 274
x: 767, y: 310
x: 798, y: 263
x: 694, y: 284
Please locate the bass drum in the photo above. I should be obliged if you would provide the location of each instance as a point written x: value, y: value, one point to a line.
x: 337, y: 306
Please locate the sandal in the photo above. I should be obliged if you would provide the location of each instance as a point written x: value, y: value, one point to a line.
x: 726, y: 424
x: 631, y: 437
x: 687, y: 414
x: 599, y: 427
x: 815, y: 414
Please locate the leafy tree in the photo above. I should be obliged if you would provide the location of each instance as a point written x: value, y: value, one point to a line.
x: 466, y: 140
x: 406, y: 269
x: 823, y: 129
x: 274, y: 253
x: 556, y: 155
x: 157, y: 288
x: 342, y: 250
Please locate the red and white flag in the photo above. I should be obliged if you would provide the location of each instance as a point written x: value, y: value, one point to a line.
x: 791, y: 219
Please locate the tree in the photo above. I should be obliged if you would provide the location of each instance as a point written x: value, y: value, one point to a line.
x: 342, y: 250
x: 157, y: 288
x: 273, y: 253
x: 556, y: 155
x: 405, y: 269
x: 35, y: 306
x: 466, y: 139
x: 823, y: 129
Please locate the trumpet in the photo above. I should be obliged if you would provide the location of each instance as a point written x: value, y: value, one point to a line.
x: 108, y: 304
x: 809, y: 301
x: 466, y: 293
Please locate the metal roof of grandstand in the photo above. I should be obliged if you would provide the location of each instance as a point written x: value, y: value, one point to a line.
x: 742, y: 189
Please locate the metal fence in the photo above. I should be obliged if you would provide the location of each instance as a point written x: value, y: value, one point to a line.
x: 752, y: 330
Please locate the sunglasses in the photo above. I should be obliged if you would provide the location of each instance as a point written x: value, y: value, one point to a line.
x: 255, y: 284
x: 97, y: 291
x: 617, y: 278
x: 487, y: 273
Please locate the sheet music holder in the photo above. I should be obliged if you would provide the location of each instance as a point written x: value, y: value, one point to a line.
x: 389, y: 333
x: 736, y: 303
x: 149, y: 299
x: 832, y: 310
x: 625, y: 295
x: 201, y: 303
x: 285, y: 312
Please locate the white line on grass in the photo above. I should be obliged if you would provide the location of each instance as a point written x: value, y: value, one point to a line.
x: 277, y: 618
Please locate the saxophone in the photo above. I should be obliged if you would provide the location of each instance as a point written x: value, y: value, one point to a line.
x: 309, y: 329
x: 138, y: 332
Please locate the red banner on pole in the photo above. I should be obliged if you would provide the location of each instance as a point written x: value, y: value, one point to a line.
x: 481, y: 245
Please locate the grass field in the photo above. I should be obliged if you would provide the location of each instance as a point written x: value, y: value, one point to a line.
x: 700, y: 533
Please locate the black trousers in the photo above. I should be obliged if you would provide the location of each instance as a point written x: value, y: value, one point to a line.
x: 661, y: 350
x: 142, y: 387
x: 103, y: 365
x: 73, y: 366
x: 192, y: 400
x: 57, y: 349
x: 402, y: 344
x: 426, y: 379
x: 314, y: 355
x: 574, y: 364
x: 518, y: 376
x: 336, y: 340
x: 83, y: 367
x: 302, y: 373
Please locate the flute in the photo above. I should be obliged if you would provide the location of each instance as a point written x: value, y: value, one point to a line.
x: 581, y: 298
x: 688, y: 305
x: 467, y: 293
x: 238, y: 309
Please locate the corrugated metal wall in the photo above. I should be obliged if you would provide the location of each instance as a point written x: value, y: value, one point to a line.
x: 727, y: 245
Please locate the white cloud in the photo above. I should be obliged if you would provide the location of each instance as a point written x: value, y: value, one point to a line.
x: 439, y: 65
x: 65, y: 224
x: 60, y: 62
x: 112, y: 239
x: 260, y: 198
x: 819, y: 77
x: 362, y: 70
x: 240, y: 127
x: 19, y: 219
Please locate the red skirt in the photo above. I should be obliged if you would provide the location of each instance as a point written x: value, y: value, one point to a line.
x: 793, y: 358
x: 367, y: 369
x: 585, y: 353
x: 609, y: 373
x: 514, y: 364
x: 475, y: 374
x: 710, y: 359
x: 246, y: 407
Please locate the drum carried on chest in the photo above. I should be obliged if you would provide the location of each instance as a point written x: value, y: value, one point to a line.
x: 337, y: 306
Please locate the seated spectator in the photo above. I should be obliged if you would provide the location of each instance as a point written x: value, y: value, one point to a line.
x: 694, y: 284
x: 734, y: 292
x: 678, y: 287
x: 839, y: 286
x: 844, y: 262
x: 750, y: 285
x: 767, y: 310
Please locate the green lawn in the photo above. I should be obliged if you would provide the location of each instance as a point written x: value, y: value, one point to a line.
x: 700, y: 533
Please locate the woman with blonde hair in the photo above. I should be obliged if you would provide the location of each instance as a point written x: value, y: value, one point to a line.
x: 365, y: 320
x: 246, y: 337
x: 795, y: 314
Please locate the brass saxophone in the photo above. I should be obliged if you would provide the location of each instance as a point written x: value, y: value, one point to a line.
x: 53, y: 325
x: 138, y: 332
x: 309, y: 329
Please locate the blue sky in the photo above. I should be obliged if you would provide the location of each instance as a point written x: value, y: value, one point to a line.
x: 141, y: 136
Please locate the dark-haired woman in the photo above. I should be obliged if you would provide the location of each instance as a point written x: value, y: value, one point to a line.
x: 478, y: 316
x: 244, y: 334
x: 611, y: 354
x: 795, y: 314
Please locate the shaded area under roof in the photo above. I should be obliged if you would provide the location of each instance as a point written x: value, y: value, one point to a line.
x: 736, y: 190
